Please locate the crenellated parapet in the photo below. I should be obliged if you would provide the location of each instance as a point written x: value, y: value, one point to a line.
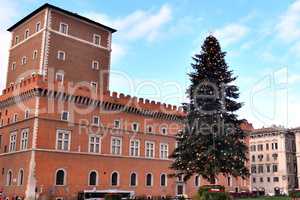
x: 86, y: 95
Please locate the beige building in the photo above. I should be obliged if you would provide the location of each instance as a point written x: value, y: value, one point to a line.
x: 273, y: 160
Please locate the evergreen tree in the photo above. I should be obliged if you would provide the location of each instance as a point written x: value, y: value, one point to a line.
x: 212, y: 140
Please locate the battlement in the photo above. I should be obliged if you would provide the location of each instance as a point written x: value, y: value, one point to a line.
x: 37, y: 81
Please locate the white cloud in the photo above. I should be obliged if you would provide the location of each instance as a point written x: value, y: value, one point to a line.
x: 288, y: 27
x: 118, y: 51
x: 139, y: 24
x: 231, y: 33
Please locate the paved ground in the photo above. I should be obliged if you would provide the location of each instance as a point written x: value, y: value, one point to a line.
x: 268, y: 198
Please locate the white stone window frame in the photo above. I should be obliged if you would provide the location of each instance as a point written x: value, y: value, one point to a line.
x: 27, y: 114
x: 35, y: 54
x: 24, y: 60
x: 150, y: 150
x: 163, y: 151
x: 166, y: 181
x: 147, y: 129
x: 24, y: 139
x: 94, y: 85
x: 112, y: 145
x: 15, y: 118
x: 134, y: 147
x: 38, y: 26
x: 61, y: 24
x: 97, y: 177
x: 152, y: 179
x: 95, y: 143
x: 94, y: 39
x: 59, y: 53
x: 62, y: 115
x: 61, y: 74
x: 64, y: 132
x: 13, y: 142
x: 93, y: 120
x: 164, y: 130
x: 119, y: 126
x: 136, y: 179
x: 137, y: 127
x: 21, y: 181
x: 9, y: 179
x: 26, y: 34
x: 97, y: 64
x: 65, y: 177
x: 13, y: 66
x: 118, y: 180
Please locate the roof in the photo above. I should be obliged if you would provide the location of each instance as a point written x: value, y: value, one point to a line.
x: 61, y: 10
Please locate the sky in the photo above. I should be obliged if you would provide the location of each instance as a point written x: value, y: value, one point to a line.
x: 153, y: 48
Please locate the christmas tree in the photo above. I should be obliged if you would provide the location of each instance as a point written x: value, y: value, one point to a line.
x: 212, y: 140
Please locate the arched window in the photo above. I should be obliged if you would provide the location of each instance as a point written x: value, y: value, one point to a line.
x: 60, y: 177
x: 21, y: 177
x: 93, y: 178
x: 9, y: 178
x: 197, y: 181
x: 149, y: 180
x: 133, y: 179
x: 163, y: 180
x: 114, y: 179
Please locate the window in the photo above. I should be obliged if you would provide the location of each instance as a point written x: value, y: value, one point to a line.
x: 63, y: 140
x: 253, y: 148
x: 94, y: 146
x: 275, y: 155
x: 96, y: 39
x: 13, y: 66
x: 115, y: 179
x: 149, y: 180
x: 26, y: 35
x: 253, y: 180
x: 94, y: 85
x: 61, y: 55
x: 65, y: 116
x: 163, y: 131
x: 164, y: 151
x: 27, y: 114
x: 133, y: 180
x: 15, y: 118
x: 276, y: 145
x: 117, y: 124
x: 261, y: 179
x: 135, y: 126
x: 275, y: 168
x: 35, y: 54
x: 260, y: 157
x: 253, y: 169
x: 268, y: 168
x: 149, y: 149
x: 21, y: 177
x: 260, y: 169
x: 38, y: 27
x: 24, y: 139
x: 12, y: 142
x: 95, y: 65
x: 59, y: 77
x: 275, y: 179
x: 93, y: 177
x: 163, y: 180
x: 16, y: 39
x: 9, y: 178
x: 267, y: 146
x: 116, y: 144
x: 60, y: 177
x: 63, y: 28
x: 24, y: 60
x: 134, y: 148
x: 229, y: 181
x: 96, y: 121
x: 253, y: 158
x: 197, y: 181
x: 260, y: 147
x: 0, y: 141
x: 149, y: 129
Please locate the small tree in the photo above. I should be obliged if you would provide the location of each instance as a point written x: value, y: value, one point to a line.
x: 212, y: 140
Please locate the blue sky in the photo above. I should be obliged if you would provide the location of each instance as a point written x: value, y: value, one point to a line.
x: 155, y: 41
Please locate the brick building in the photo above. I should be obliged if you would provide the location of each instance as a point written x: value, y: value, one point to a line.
x: 63, y: 132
